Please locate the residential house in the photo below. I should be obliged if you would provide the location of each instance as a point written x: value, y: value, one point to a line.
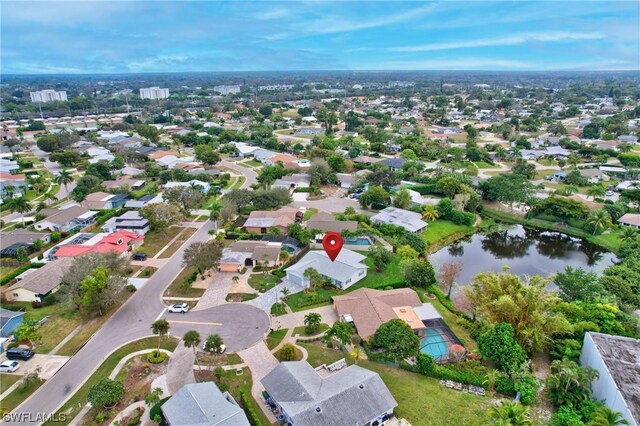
x: 104, y: 201
x: 594, y: 175
x: 9, y: 166
x: 120, y: 242
x: 394, y: 163
x: 351, y: 396
x: 132, y: 184
x: 128, y: 221
x: 296, y: 180
x: 346, y: 270
x: 7, y: 179
x: 198, y: 184
x: 20, y: 238
x: 36, y: 283
x: 260, y: 221
x: 279, y: 158
x: 9, y: 320
x: 249, y: 253
x: 368, y: 309
x: 557, y: 152
x: 143, y: 201
x: 630, y: 219
x: 263, y: 155
x: 411, y: 221
x: 66, y: 220
x: 617, y: 361
x: 157, y: 154
x: 325, y: 222
x: 200, y: 404
x: 345, y: 179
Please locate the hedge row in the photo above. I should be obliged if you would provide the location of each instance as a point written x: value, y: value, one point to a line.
x: 11, y: 276
x: 253, y: 416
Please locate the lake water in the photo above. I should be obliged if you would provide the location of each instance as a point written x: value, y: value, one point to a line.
x: 526, y: 251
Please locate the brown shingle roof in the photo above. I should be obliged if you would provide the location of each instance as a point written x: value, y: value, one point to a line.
x: 325, y: 222
x: 45, y: 279
x: 371, y: 308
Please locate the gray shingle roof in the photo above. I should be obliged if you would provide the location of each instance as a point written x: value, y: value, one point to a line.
x: 353, y: 396
x: 203, y: 404
x: 411, y: 221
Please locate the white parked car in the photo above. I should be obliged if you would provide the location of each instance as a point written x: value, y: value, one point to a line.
x: 609, y: 193
x: 9, y: 366
x: 181, y: 308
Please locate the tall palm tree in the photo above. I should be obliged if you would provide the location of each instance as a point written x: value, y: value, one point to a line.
x: 285, y: 292
x: 510, y: 413
x: 215, y: 215
x: 8, y: 191
x: 64, y: 178
x: 605, y: 416
x: 599, y: 219
x: 430, y: 213
x: 19, y: 205
x: 574, y: 159
x: 312, y: 321
x: 161, y: 328
x: 597, y: 191
x: 628, y: 234
x: 191, y: 339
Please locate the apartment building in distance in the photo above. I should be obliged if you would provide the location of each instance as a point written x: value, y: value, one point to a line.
x: 227, y: 90
x: 154, y: 93
x: 44, y: 96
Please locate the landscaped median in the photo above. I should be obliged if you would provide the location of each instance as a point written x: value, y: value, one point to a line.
x: 72, y: 407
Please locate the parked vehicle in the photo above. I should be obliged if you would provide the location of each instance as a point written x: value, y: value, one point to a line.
x: 220, y: 351
x: 19, y: 353
x: 9, y: 366
x: 609, y: 193
x: 139, y: 256
x: 181, y: 308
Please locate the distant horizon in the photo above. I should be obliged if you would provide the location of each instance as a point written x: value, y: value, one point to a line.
x: 129, y: 37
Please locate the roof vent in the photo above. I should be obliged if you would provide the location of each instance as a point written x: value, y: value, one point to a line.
x: 318, y: 409
x: 404, y: 311
x: 361, y: 386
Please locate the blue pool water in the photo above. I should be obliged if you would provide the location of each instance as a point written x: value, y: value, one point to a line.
x: 360, y: 241
x: 433, y: 344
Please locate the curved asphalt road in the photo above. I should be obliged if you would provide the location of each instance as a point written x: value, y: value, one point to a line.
x: 250, y: 175
x: 240, y: 325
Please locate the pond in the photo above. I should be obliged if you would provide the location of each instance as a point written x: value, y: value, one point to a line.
x: 526, y: 251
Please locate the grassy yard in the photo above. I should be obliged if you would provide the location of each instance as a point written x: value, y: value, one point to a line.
x: 547, y: 162
x: 7, y: 380
x: 79, y: 398
x: 170, y: 251
x: 19, y: 394
x: 302, y: 330
x: 260, y: 283
x: 238, y: 184
x: 275, y: 337
x: 309, y: 213
x: 204, y: 358
x: 156, y: 239
x: 441, y: 229
x: 5, y: 270
x: 319, y: 354
x: 483, y: 165
x: 179, y: 288
x: 86, y: 332
x: 252, y: 163
x: 541, y: 174
x: 422, y: 400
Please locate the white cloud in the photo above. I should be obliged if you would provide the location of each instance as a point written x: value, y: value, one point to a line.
x: 334, y: 24
x: 511, y: 40
x: 155, y: 62
x: 450, y: 64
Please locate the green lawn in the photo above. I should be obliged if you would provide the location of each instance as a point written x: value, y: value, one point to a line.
x: 19, y: 394
x: 252, y: 163
x: 547, y: 162
x: 541, y: 174
x: 156, y: 239
x: 79, y: 399
x: 441, y: 229
x: 188, y: 232
x: 275, y: 337
x: 238, y: 184
x: 262, y: 283
x: 302, y: 330
x: 179, y: 287
x: 309, y: 213
x: 483, y: 165
x: 7, y: 380
x: 319, y: 354
x: 423, y: 401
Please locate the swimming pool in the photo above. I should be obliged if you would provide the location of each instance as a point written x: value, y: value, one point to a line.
x: 433, y: 344
x: 360, y: 241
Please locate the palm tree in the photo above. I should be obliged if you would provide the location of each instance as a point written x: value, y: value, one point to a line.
x: 599, y: 219
x: 312, y: 322
x: 64, y: 178
x: 605, y: 416
x: 596, y: 191
x: 510, y: 413
x: 491, y: 378
x: 571, y: 189
x: 19, y: 205
x: 574, y: 159
x: 356, y: 354
x: 430, y: 213
x: 285, y: 292
x: 8, y: 191
x: 569, y: 383
x: 215, y: 215
x: 235, y: 280
x: 214, y: 343
x: 161, y: 328
x: 628, y: 234
x: 50, y: 196
x: 191, y: 339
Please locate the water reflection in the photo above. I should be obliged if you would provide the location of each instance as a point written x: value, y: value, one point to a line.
x: 526, y: 251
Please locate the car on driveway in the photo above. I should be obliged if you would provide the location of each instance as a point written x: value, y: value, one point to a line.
x: 19, y: 353
x: 9, y: 366
x: 180, y: 308
x: 609, y: 193
x: 139, y: 256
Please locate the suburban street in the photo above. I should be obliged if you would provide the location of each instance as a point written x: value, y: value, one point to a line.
x: 240, y: 325
x: 249, y: 174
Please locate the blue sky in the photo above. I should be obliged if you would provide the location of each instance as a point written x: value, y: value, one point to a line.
x: 179, y: 36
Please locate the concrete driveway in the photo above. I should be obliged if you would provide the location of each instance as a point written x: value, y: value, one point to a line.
x: 48, y: 364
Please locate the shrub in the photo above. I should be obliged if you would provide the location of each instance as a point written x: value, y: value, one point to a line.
x: 528, y: 388
x: 131, y: 288
x: 425, y: 364
x: 505, y: 386
x: 156, y: 411
x: 100, y: 417
x: 9, y: 277
x: 460, y: 218
x: 287, y: 353
x: 253, y: 416
x: 566, y: 416
x: 156, y: 357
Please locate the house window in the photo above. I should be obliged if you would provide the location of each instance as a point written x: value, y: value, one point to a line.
x: 15, y: 295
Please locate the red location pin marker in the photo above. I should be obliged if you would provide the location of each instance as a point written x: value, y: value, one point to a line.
x: 332, y: 243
